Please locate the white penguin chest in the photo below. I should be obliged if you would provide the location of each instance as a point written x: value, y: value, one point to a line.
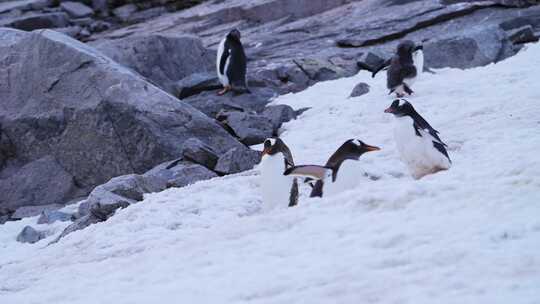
x: 275, y: 186
x: 417, y: 152
x: 222, y: 76
x: 348, y: 177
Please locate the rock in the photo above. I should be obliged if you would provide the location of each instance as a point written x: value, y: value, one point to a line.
x: 72, y: 31
x: 187, y: 174
x: 196, y: 151
x: 30, y: 235
x: 79, y: 224
x: 42, y: 182
x: 163, y: 59
x: 360, y: 89
x: 370, y: 61
x: 82, y: 21
x: 119, y: 192
x: 180, y: 173
x: 123, y: 12
x: 4, y: 219
x: 296, y: 79
x: 237, y: 160
x: 49, y: 217
x: 84, y: 120
x: 251, y: 129
x: 476, y: 48
x: 76, y: 9
x: 211, y: 104
x: 29, y: 211
x: 523, y: 34
x: 195, y: 84
x: 99, y: 26
x: 278, y: 115
x: 40, y: 21
x: 320, y: 70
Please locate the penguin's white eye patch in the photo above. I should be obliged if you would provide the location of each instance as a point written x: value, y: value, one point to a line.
x: 401, y: 102
x: 358, y: 142
x: 272, y: 141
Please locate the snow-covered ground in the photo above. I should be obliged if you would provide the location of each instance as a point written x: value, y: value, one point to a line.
x: 467, y: 235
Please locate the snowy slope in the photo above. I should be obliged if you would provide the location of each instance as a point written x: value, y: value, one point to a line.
x: 467, y: 235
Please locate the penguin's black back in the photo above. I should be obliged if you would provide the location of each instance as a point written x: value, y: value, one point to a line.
x: 236, y: 71
x: 400, y: 68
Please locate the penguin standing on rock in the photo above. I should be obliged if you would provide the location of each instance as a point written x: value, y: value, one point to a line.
x: 405, y: 65
x: 418, y: 143
x: 277, y: 189
x: 231, y: 64
x: 339, y: 173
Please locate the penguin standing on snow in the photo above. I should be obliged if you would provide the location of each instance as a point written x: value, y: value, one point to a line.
x: 231, y: 64
x: 339, y: 173
x: 418, y: 143
x: 405, y: 65
x: 277, y: 189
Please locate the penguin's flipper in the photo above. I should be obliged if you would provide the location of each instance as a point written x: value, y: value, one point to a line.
x: 407, y: 89
x: 308, y: 171
x: 293, y: 198
x: 223, y: 60
x: 381, y: 67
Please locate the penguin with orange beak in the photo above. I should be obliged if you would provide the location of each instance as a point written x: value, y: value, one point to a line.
x: 339, y: 174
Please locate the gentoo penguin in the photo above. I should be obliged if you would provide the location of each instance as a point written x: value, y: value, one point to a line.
x: 418, y: 143
x: 405, y: 65
x: 339, y: 173
x: 231, y: 63
x: 277, y: 189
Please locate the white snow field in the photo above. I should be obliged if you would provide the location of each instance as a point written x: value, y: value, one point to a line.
x: 467, y: 235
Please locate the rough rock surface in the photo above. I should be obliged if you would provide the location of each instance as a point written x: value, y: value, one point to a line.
x: 251, y: 129
x: 236, y: 160
x: 84, y: 119
x: 30, y: 235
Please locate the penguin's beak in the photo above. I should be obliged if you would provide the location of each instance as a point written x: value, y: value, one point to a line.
x: 389, y: 110
x: 371, y: 148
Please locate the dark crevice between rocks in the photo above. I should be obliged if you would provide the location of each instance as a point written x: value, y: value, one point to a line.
x: 81, y: 66
x: 351, y: 43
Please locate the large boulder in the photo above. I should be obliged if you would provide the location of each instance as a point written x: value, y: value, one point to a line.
x: 251, y: 129
x: 475, y: 48
x: 64, y: 101
x: 163, y: 59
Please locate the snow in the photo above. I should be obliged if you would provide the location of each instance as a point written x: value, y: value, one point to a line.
x: 467, y: 235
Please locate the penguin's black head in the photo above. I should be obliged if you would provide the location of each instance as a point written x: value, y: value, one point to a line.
x: 272, y: 146
x: 400, y: 107
x: 405, y: 48
x: 234, y: 34
x: 358, y: 147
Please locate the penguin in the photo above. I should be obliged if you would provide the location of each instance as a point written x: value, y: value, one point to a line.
x: 231, y: 64
x: 404, y: 67
x: 419, y: 145
x: 339, y: 173
x: 277, y: 189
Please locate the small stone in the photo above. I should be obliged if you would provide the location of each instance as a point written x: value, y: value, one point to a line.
x: 360, y: 89
x: 49, y: 217
x: 30, y: 235
x: 76, y: 9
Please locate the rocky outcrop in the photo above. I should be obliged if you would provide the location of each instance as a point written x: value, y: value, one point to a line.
x: 75, y: 119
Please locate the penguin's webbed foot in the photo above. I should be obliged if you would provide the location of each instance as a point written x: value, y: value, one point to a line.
x: 225, y: 90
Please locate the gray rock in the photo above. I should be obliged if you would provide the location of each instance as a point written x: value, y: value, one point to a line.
x: 196, y: 151
x: 278, y: 115
x: 370, y: 60
x: 251, y: 129
x: 4, y: 219
x: 360, y: 89
x: 523, y: 34
x: 180, y: 173
x: 42, y: 182
x: 29, y: 211
x: 76, y: 9
x: 30, y: 235
x: 237, y: 160
x: 187, y: 174
x: 163, y: 59
x: 79, y: 224
x: 123, y: 12
x: 321, y: 70
x: 99, y: 26
x: 49, y: 217
x: 95, y: 118
x: 39, y: 21
x: 477, y: 48
x: 24, y: 5
x: 82, y: 21
x: 72, y: 31
x: 195, y: 84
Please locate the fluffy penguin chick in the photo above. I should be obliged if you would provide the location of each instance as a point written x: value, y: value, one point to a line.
x: 340, y: 172
x: 231, y: 63
x: 419, y: 145
x: 277, y: 190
